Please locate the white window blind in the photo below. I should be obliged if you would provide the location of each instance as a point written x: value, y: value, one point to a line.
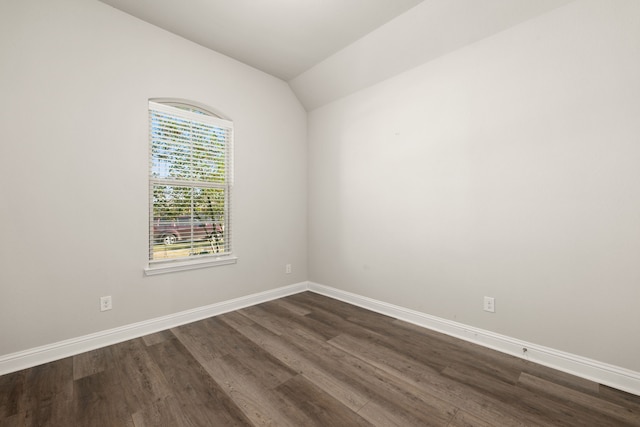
x: 190, y: 182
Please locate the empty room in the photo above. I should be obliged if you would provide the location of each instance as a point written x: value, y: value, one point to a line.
x: 320, y: 212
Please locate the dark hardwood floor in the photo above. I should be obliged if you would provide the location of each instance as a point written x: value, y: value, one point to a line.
x: 304, y: 360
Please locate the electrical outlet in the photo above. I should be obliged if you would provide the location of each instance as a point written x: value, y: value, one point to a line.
x: 287, y: 268
x: 105, y: 303
x: 490, y: 304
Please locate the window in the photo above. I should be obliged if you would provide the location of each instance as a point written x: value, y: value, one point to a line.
x: 190, y: 182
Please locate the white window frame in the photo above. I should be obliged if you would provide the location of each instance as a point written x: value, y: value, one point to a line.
x: 196, y: 113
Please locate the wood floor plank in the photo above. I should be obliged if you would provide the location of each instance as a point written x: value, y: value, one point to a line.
x: 340, y: 313
x: 142, y: 380
x: 562, y: 378
x: 292, y: 320
x: 16, y: 420
x: 279, y: 320
x: 195, y: 336
x: 235, y: 319
x: 619, y: 397
x: 268, y: 370
x: 384, y: 414
x: 321, y: 408
x: 400, y: 404
x: 340, y: 324
x: 94, y: 403
x: 12, y: 393
x: 264, y: 319
x: 480, y: 380
x: 202, y: 400
x: 163, y: 413
x: 156, y: 338
x: 260, y: 405
x: 89, y: 363
x: 290, y: 355
x: 47, y: 392
x: 552, y: 413
x: 198, y: 338
x: 382, y: 357
x: 366, y: 319
x: 226, y: 340
x: 544, y: 411
x: 292, y: 307
x: 53, y: 414
x: 463, y: 419
x: 587, y: 402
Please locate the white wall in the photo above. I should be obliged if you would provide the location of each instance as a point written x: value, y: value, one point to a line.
x: 75, y: 77
x: 509, y: 168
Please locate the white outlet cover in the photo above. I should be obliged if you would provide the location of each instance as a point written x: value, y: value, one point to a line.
x: 105, y: 303
x: 490, y: 304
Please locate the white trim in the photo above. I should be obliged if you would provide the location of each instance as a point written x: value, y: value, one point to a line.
x: 161, y: 266
x: 602, y: 373
x: 48, y: 353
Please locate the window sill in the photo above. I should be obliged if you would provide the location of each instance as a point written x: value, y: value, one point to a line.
x: 163, y: 267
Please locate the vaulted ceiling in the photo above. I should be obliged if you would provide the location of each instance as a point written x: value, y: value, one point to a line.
x: 326, y: 49
x: 282, y: 37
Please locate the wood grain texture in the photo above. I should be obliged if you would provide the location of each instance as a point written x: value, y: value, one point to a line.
x: 304, y: 360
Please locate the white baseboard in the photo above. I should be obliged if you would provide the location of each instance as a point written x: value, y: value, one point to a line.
x: 36, y: 356
x: 602, y: 373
